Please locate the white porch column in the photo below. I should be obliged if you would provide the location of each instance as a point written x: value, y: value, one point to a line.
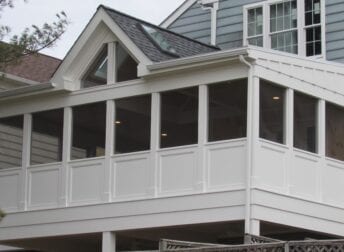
x: 66, y: 154
x: 253, y: 97
x: 289, y: 118
x: 321, y: 146
x: 202, y: 136
x: 25, y: 160
x: 109, y: 149
x: 155, y: 143
x: 111, y: 65
x: 109, y: 242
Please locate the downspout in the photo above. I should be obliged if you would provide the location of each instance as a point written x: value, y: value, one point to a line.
x: 214, y: 23
x: 213, y: 6
x: 250, y: 147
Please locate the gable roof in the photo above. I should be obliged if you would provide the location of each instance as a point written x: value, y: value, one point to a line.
x: 184, y: 47
x: 34, y: 67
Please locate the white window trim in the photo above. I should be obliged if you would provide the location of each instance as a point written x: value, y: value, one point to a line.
x: 300, y: 26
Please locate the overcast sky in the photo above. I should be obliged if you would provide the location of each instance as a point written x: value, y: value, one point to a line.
x: 79, y: 13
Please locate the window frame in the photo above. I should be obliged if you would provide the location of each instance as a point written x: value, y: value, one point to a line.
x: 301, y: 26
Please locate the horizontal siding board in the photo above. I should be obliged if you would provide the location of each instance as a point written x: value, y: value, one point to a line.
x: 189, y: 28
x: 195, y: 23
x: 191, y: 21
x: 335, y: 30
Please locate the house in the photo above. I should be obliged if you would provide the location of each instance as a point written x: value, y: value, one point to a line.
x: 226, y: 120
x: 31, y: 70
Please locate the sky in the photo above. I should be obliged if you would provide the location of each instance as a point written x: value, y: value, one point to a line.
x: 79, y: 12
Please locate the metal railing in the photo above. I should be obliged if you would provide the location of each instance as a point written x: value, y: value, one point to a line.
x: 255, y: 244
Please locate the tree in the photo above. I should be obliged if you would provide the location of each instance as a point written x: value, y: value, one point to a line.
x: 2, y: 214
x: 31, y: 40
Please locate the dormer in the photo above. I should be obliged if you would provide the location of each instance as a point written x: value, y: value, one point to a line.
x: 116, y: 48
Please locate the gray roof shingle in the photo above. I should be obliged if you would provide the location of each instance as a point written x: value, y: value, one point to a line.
x: 184, y: 47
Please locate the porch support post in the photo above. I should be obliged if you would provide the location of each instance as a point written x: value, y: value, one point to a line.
x: 109, y: 149
x: 109, y: 242
x: 25, y: 160
x: 155, y: 144
x: 251, y: 226
x: 66, y: 154
x: 202, y: 136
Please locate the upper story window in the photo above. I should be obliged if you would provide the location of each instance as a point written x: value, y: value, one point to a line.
x: 124, y: 69
x: 97, y: 74
x: 255, y: 26
x: 293, y: 26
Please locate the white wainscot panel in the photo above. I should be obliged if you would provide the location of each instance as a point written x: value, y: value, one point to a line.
x: 304, y: 170
x: 270, y: 167
x: 226, y: 165
x: 131, y: 176
x: 43, y: 186
x: 178, y: 170
x: 9, y: 190
x: 333, y: 183
x: 86, y: 181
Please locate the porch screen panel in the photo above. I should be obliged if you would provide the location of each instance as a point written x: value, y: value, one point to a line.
x: 227, y: 110
x: 305, y: 111
x: 11, y: 142
x: 272, y: 99
x: 126, y: 66
x: 47, y: 135
x: 132, y: 124
x: 179, y: 117
x: 334, y: 131
x: 89, y: 131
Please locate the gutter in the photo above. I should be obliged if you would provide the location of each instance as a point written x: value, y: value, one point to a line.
x: 250, y: 147
x: 18, y: 79
x: 26, y: 90
x: 224, y: 55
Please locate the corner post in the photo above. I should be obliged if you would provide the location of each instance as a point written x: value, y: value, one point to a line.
x: 109, y: 242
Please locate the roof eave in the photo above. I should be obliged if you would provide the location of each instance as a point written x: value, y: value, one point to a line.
x: 193, y: 61
x: 25, y: 91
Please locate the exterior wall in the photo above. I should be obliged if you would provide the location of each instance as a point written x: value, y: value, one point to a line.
x: 195, y: 23
x: 335, y: 30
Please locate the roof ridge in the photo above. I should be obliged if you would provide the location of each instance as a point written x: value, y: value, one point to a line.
x: 157, y: 27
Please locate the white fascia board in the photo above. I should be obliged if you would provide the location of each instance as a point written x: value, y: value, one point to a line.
x: 18, y: 79
x: 99, y: 17
x: 177, y: 13
x: 199, y: 60
x: 24, y: 91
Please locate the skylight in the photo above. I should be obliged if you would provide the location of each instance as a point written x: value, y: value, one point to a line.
x: 159, y: 39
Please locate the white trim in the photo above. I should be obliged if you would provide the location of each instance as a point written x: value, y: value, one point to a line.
x: 68, y: 73
x: 301, y: 28
x: 18, y: 79
x: 177, y: 13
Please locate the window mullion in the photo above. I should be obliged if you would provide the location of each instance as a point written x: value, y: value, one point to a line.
x: 266, y: 26
x: 301, y: 28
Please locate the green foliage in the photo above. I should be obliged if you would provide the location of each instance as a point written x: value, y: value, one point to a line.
x: 2, y: 214
x: 31, y: 40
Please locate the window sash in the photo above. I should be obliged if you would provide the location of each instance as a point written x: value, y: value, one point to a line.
x: 301, y: 48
